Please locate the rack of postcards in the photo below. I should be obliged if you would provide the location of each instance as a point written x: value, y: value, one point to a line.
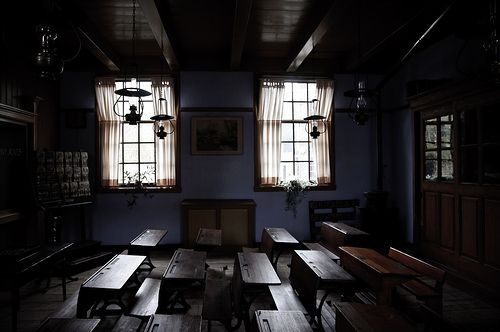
x: 62, y: 177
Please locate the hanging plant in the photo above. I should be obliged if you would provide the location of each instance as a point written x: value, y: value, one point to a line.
x: 136, y: 181
x: 294, y: 194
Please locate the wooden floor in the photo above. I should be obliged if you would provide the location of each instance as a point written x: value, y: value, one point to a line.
x: 466, y: 312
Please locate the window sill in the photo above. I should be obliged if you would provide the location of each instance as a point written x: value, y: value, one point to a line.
x: 125, y: 189
x: 328, y: 187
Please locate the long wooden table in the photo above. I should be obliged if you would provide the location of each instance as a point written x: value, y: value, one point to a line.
x: 275, y: 241
x: 312, y: 270
x: 68, y: 324
x: 108, y: 284
x: 146, y: 241
x: 252, y: 274
x: 186, y: 268
x: 280, y: 321
x: 378, y: 271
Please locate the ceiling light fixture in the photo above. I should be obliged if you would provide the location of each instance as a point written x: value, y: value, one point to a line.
x: 132, y: 92
x: 315, y: 123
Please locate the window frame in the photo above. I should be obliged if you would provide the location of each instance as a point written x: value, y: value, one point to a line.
x: 147, y: 188
x: 258, y: 187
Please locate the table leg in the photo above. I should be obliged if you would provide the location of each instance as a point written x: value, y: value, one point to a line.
x: 319, y: 310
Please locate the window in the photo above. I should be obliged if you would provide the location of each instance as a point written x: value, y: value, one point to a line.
x: 297, y: 155
x: 131, y: 153
x: 137, y: 157
x: 285, y: 150
x: 439, y: 148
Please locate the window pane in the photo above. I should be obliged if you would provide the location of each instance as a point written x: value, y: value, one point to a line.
x: 148, y: 173
x: 287, y: 151
x: 300, y: 91
x: 148, y: 111
x: 446, y: 135
x: 431, y: 169
x: 312, y: 91
x: 447, y: 118
x: 301, y: 151
x: 286, y: 171
x: 447, y: 170
x: 131, y: 173
x: 469, y: 164
x: 430, y: 136
x: 468, y: 127
x: 302, y: 171
x: 147, y: 152
x: 147, y: 133
x: 299, y: 111
x: 431, y: 155
x: 491, y: 164
x: 301, y: 132
x: 287, y: 111
x: 287, y: 132
x: 491, y: 118
x: 288, y: 91
x: 131, y: 153
x: 130, y: 133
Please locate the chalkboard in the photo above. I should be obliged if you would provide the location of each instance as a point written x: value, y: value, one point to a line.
x: 14, y: 173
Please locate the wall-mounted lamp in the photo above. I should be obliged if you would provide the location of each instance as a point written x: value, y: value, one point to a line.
x: 315, y: 123
x: 161, y: 122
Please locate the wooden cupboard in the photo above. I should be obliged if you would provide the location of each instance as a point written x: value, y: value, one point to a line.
x: 235, y: 217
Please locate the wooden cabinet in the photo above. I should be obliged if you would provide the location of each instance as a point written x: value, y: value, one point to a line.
x: 236, y: 219
x: 457, y: 179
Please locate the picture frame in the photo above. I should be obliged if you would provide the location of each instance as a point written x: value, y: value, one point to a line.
x: 216, y: 135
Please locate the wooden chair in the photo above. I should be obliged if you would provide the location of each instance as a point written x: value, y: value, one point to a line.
x: 333, y: 210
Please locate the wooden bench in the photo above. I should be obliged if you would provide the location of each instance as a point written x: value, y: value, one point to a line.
x: 217, y: 299
x: 285, y: 298
x: 145, y: 301
x: 174, y: 323
x: 68, y: 324
x: 127, y: 324
x: 429, y: 287
x: 330, y: 211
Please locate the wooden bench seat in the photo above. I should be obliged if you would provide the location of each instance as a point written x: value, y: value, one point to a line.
x: 318, y: 246
x: 285, y: 298
x: 68, y: 308
x: 127, y: 324
x: 69, y: 324
x: 145, y: 301
x: 431, y: 295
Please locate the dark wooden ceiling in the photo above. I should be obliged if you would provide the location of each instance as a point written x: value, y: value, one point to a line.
x: 296, y: 37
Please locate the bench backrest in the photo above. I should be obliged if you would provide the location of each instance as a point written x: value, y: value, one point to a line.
x: 424, y: 268
x: 334, y: 235
x: 266, y: 245
x: 332, y: 210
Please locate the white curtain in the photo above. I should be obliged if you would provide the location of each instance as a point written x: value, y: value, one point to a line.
x: 321, y: 145
x: 165, y: 148
x: 109, y: 130
x: 269, y: 114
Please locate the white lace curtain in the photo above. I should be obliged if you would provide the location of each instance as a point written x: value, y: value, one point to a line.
x: 321, y: 145
x: 109, y: 129
x: 165, y: 148
x: 269, y: 114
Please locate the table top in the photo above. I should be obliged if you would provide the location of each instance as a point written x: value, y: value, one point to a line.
x: 375, y: 261
x: 149, y: 238
x: 115, y: 273
x: 69, y: 324
x: 209, y: 237
x: 184, y: 323
x: 186, y: 265
x: 281, y: 236
x: 346, y: 229
x: 256, y: 269
x: 326, y: 269
x: 371, y: 318
x: 274, y: 320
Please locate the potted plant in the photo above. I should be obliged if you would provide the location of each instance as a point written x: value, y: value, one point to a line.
x: 294, y: 189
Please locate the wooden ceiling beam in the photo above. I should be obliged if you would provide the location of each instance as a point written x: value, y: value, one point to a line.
x: 95, y: 46
x: 153, y: 17
x: 313, y: 40
x: 240, y: 26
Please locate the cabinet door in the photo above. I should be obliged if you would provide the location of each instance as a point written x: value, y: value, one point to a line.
x: 234, y: 226
x: 200, y: 219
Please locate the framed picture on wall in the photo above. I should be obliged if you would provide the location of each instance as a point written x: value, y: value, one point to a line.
x: 216, y: 135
